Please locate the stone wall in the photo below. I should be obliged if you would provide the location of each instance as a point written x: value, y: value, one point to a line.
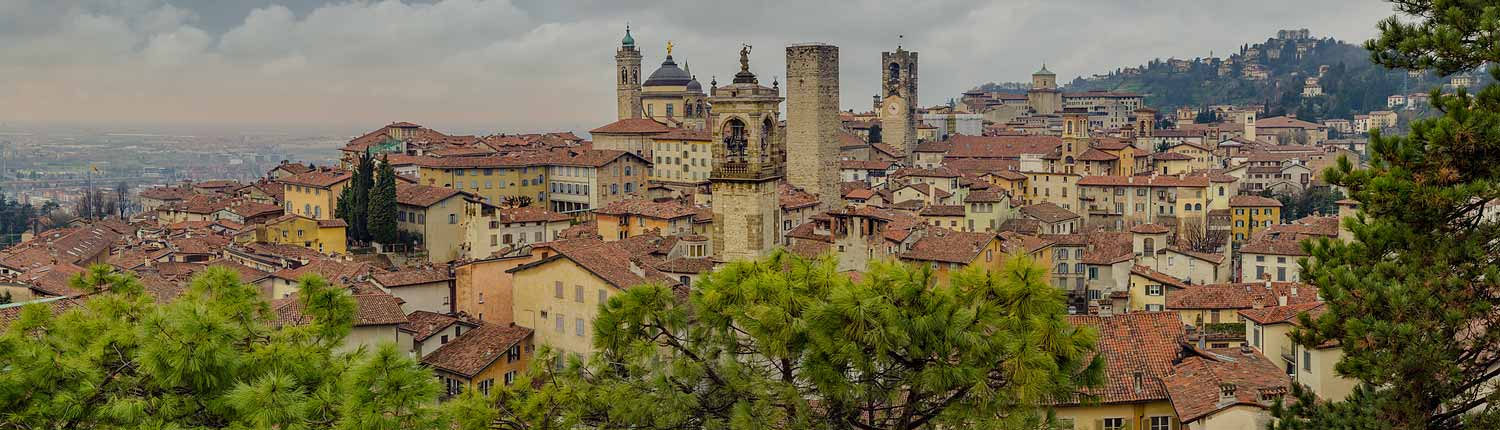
x: 812, y: 123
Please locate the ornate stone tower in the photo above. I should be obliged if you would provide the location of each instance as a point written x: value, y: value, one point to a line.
x: 1075, y: 136
x: 812, y: 120
x: 628, y: 72
x: 898, y: 109
x: 749, y: 158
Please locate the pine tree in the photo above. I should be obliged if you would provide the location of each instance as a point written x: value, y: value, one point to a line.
x: 213, y: 358
x: 1411, y: 301
x: 382, y: 210
x: 791, y: 343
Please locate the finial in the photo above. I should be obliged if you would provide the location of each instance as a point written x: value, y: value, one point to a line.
x: 775, y: 82
x: 900, y: 38
x: 669, y: 48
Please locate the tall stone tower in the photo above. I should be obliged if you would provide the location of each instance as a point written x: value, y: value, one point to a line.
x: 749, y: 158
x: 628, y: 70
x: 898, y: 110
x: 812, y: 120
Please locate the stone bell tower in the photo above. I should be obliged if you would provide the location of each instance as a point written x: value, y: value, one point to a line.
x: 628, y: 77
x: 749, y: 159
x: 898, y: 108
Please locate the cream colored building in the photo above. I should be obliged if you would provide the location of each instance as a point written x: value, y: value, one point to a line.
x: 432, y: 217
x: 681, y: 157
x: 560, y: 294
x: 490, y: 230
x: 1268, y: 331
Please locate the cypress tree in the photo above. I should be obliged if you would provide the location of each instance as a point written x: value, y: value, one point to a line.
x: 1411, y: 300
x: 382, y: 211
x: 363, y: 182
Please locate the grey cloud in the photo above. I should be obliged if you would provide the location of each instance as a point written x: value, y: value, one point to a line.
x: 499, y: 65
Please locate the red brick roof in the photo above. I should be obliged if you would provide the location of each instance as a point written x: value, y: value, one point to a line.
x: 529, y: 214
x: 319, y: 178
x: 11, y: 313
x: 1281, y: 314
x: 1194, y: 385
x: 424, y: 324
x: 985, y: 197
x: 963, y: 146
x: 422, y: 195
x: 1137, y: 343
x: 1150, y: 229
x: 1153, y: 275
x: 632, y: 126
x: 684, y: 134
x: 1273, y: 246
x: 670, y: 209
x: 1253, y: 201
x: 1096, y: 155
x: 411, y: 276
x: 1243, y: 295
x: 865, y: 164
x: 609, y: 261
x: 943, y: 211
x: 370, y: 310
x: 1048, y: 212
x: 1170, y: 156
x: 948, y: 246
x: 1285, y: 122
x: 476, y: 349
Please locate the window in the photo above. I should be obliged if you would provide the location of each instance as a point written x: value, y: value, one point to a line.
x: 443, y: 340
x: 484, y: 386
x: 578, y: 326
x: 453, y: 218
x: 578, y: 293
x: 1281, y: 274
x: 1093, y: 273
x: 510, y: 377
x: 1153, y: 308
x: 557, y: 290
x: 1257, y: 336
x: 560, y: 323
x: 1078, y: 268
x: 1062, y: 268
x: 481, y: 297
x: 1161, y: 423
x: 1306, y: 360
x: 603, y: 296
x: 1114, y: 424
x: 1153, y: 290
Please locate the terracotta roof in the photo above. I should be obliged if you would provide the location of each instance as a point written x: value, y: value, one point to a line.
x: 370, y: 310
x: 11, y: 312
x: 1285, y: 122
x: 319, y: 178
x: 529, y: 214
x: 1137, y: 343
x: 476, y: 349
x: 981, y: 166
x: 794, y: 198
x: 1021, y: 225
x: 586, y: 158
x: 685, y: 265
x: 1108, y: 248
x: 670, y: 209
x: 166, y: 193
x: 424, y: 324
x: 943, y: 210
x: 609, y: 261
x: 949, y: 246
x: 1253, y: 201
x: 1280, y: 314
x: 332, y: 223
x: 936, y: 172
x: 337, y: 272
x: 54, y: 280
x: 632, y: 126
x: 1194, y: 385
x: 859, y: 194
x: 1170, y: 156
x: 1011, y: 242
x: 1243, y: 295
x: 411, y: 276
x: 249, y: 209
x: 422, y: 195
x: 1048, y: 212
x: 1096, y: 155
x: 1274, y: 246
x: 1150, y: 229
x: 1153, y: 275
x: 1145, y: 181
x: 1205, y: 256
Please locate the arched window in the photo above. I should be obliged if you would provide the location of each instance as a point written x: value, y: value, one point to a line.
x: 895, y: 72
x: 1187, y: 207
x: 735, y: 138
x: 1197, y: 206
x: 624, y: 76
x: 1150, y: 246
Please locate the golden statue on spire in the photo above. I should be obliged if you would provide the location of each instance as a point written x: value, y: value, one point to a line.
x: 669, y: 48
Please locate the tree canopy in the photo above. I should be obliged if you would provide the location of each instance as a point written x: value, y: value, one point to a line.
x: 213, y: 358
x: 1411, y: 299
x: 791, y: 343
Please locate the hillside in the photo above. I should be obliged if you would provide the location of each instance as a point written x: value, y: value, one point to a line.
x: 1271, y: 73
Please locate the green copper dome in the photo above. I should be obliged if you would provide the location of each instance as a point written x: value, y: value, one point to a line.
x: 627, y: 41
x: 1044, y: 71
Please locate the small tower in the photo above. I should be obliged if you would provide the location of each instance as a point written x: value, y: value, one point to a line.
x: 898, y: 110
x: 1043, y: 97
x: 628, y: 76
x: 812, y: 120
x: 749, y: 159
x: 1075, y: 136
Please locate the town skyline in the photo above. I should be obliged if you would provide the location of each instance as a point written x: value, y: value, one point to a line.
x: 298, y: 64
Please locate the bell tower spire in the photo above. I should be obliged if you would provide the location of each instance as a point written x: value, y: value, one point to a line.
x: 628, y: 77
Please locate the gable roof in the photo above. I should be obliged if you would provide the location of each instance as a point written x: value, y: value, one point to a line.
x: 1194, y: 385
x: 1048, y: 212
x: 1137, y: 343
x: 476, y: 349
x: 422, y: 195
x: 632, y: 126
x: 1242, y: 295
x: 948, y: 246
x: 321, y: 178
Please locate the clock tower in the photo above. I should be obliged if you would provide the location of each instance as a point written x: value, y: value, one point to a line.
x: 749, y: 159
x: 898, y: 110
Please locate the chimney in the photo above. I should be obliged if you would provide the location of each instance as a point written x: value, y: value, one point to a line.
x: 1226, y: 393
x: 1281, y: 300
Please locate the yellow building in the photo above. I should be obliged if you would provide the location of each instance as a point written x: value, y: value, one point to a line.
x: 1139, y: 350
x: 1060, y: 189
x: 492, y: 178
x: 314, y: 194
x: 432, y: 218
x: 947, y: 251
x: 1201, y: 158
x: 681, y: 157
x: 634, y: 217
x: 481, y: 358
x: 560, y: 293
x: 986, y: 210
x: 1172, y: 163
x: 1268, y: 331
x: 1120, y: 202
x: 1149, y: 289
x: 325, y: 236
x: 1250, y: 214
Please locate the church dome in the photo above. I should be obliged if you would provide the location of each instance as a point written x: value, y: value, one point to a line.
x: 1044, y: 71
x: 627, y: 41
x: 668, y: 75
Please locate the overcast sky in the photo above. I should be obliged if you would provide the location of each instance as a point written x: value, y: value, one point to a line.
x: 530, y: 65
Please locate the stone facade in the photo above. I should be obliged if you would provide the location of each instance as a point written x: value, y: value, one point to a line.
x: 749, y: 159
x: 812, y: 120
x: 628, y: 72
x: 898, y: 110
